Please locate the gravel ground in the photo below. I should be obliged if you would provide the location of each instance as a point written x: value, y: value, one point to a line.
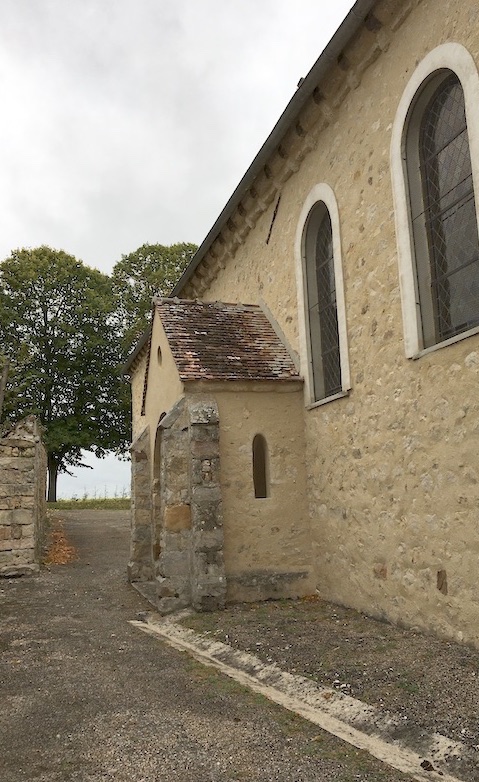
x: 86, y: 697
x: 431, y: 683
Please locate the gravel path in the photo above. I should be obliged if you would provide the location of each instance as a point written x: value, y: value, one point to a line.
x: 432, y: 684
x: 86, y: 697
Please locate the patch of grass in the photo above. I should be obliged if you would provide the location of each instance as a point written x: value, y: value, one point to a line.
x: 408, y: 686
x: 93, y: 503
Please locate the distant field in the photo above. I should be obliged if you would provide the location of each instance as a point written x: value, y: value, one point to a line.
x: 93, y: 503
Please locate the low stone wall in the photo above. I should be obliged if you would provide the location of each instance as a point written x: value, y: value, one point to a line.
x: 23, y: 469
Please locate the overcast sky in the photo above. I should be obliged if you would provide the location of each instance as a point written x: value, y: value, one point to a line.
x: 132, y: 121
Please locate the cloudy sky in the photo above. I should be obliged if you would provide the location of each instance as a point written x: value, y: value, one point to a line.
x: 132, y: 121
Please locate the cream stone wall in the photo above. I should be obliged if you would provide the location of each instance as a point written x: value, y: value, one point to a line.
x: 267, y: 541
x: 137, y: 381
x: 164, y: 385
x: 392, y: 476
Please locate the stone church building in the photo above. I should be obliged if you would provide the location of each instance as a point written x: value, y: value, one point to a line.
x: 306, y: 404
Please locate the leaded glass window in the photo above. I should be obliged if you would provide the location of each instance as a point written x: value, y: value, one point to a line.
x: 322, y: 307
x: 443, y: 212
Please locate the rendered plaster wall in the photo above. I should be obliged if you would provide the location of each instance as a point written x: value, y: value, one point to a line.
x: 137, y: 381
x: 164, y: 385
x: 392, y: 476
x: 23, y: 469
x: 267, y: 544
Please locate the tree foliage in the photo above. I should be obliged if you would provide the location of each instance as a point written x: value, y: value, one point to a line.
x: 59, y: 331
x: 151, y: 270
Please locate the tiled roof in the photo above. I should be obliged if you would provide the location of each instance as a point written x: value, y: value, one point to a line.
x: 216, y: 341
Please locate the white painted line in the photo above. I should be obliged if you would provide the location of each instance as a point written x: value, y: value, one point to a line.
x: 332, y: 711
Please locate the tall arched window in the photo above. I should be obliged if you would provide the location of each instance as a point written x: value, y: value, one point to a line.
x: 435, y: 178
x: 443, y: 210
x: 324, y: 352
x: 260, y: 467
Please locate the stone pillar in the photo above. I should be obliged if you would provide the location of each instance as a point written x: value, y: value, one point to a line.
x: 190, y: 568
x: 140, y: 566
x: 208, y: 581
x: 23, y: 470
x: 173, y: 568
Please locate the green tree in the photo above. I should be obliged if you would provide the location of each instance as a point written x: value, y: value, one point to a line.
x: 151, y: 270
x: 59, y: 331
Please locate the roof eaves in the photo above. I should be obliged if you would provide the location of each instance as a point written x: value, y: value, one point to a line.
x: 143, y: 342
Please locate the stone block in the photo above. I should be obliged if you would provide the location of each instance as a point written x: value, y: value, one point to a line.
x: 175, y: 541
x: 177, y: 518
x: 205, y: 449
x: 27, y: 530
x: 205, y: 472
x: 6, y: 544
x: 167, y: 605
x: 206, y: 603
x: 209, y: 540
x: 164, y: 588
x: 5, y: 532
x: 21, y: 516
x: 205, y: 495
x: 13, y: 571
x: 142, y: 501
x: 16, y: 489
x: 141, y: 533
x: 174, y: 563
x: 139, y: 571
x: 141, y: 517
x: 205, y: 433
x: 203, y: 412
x: 209, y: 565
x: 25, y: 543
x: 207, y: 515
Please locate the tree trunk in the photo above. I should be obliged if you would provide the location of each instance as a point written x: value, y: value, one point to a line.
x: 52, y: 479
x: 3, y: 384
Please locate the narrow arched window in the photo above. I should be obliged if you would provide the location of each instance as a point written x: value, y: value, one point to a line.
x: 324, y: 353
x: 443, y: 210
x: 260, y: 467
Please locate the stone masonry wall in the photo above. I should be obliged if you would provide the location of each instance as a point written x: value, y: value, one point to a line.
x: 190, y: 567
x: 392, y: 477
x: 140, y: 566
x: 23, y: 469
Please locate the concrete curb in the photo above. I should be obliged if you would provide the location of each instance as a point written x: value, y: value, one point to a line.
x: 382, y: 734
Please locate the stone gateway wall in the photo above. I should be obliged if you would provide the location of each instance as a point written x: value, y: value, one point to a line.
x: 23, y: 470
x: 177, y: 533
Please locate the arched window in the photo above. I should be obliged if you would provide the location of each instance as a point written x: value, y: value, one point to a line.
x: 324, y: 353
x: 435, y: 177
x: 443, y: 210
x: 260, y: 467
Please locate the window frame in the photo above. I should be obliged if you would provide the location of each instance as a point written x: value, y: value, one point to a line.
x: 320, y: 194
x: 455, y: 58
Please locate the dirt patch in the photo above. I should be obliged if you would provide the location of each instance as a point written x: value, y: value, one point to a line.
x: 432, y: 684
x: 58, y: 550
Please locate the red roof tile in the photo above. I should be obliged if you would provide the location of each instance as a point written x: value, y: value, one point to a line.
x: 216, y: 341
